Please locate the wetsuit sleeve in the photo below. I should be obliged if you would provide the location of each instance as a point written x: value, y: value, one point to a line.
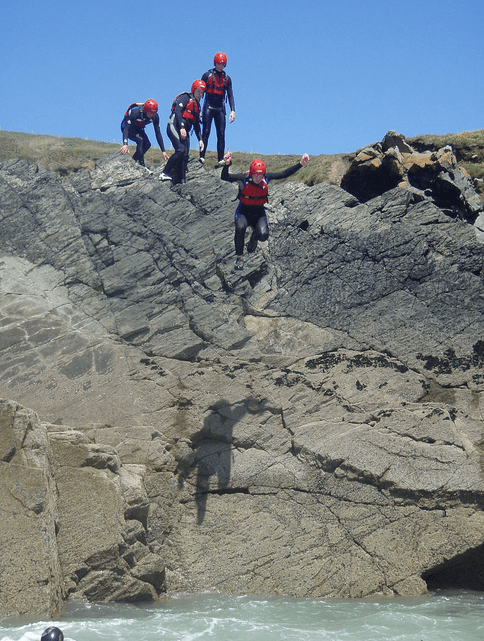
x: 131, y: 115
x: 196, y: 129
x: 180, y: 105
x: 159, y: 137
x: 125, y: 133
x: 225, y: 174
x: 233, y: 178
x: 230, y: 94
x: 278, y: 175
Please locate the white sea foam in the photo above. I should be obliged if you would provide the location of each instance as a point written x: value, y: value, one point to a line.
x: 446, y: 616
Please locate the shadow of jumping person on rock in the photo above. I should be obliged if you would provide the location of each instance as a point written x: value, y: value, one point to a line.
x: 213, y: 449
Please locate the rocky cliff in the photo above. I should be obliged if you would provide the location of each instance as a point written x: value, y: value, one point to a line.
x: 310, y: 426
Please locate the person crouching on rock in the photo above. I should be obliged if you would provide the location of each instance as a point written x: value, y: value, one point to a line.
x: 253, y: 193
x: 52, y: 634
x: 185, y: 114
x: 137, y: 116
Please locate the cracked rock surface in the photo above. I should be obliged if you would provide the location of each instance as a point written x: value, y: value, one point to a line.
x: 310, y: 426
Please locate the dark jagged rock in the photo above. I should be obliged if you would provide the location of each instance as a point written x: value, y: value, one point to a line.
x: 394, y: 163
x: 320, y: 409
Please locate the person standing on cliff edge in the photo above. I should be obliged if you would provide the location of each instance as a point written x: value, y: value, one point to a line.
x: 253, y: 195
x: 137, y: 116
x: 219, y: 89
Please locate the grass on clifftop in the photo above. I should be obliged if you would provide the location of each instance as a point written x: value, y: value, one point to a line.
x: 467, y: 142
x: 62, y: 155
x: 65, y: 156
x: 468, y: 147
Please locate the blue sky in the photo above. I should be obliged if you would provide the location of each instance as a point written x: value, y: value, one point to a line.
x: 318, y: 76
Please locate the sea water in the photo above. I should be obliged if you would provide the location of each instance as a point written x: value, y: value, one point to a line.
x: 443, y: 616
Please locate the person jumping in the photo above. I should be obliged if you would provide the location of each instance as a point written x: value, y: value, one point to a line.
x: 253, y: 194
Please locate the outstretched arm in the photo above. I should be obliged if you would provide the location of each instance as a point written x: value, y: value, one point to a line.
x: 285, y: 173
x: 225, y: 169
x: 232, y: 178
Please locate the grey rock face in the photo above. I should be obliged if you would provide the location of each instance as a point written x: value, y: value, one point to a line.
x: 30, y: 577
x: 311, y: 425
x: 74, y: 520
x: 102, y: 509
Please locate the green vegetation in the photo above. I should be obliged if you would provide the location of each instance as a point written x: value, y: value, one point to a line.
x: 465, y: 138
x: 475, y: 170
x: 321, y: 168
x: 67, y: 155
x: 468, y: 147
x: 63, y: 155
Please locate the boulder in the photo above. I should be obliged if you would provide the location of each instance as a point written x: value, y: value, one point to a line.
x: 64, y: 531
x: 31, y: 578
x: 394, y: 163
x: 102, y: 508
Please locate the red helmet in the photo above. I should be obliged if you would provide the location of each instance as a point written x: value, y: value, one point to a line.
x: 198, y: 84
x: 220, y: 59
x: 257, y: 167
x: 151, y: 105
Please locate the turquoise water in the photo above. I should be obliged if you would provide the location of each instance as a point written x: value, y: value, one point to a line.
x: 445, y: 616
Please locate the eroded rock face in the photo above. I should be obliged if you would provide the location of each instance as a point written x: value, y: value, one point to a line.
x: 310, y: 426
x: 103, y: 509
x: 30, y: 576
x: 74, y: 520
x: 394, y: 163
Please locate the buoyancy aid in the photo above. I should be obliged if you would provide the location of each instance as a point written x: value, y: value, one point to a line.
x: 140, y: 121
x: 217, y: 83
x: 254, y: 195
x: 191, y: 110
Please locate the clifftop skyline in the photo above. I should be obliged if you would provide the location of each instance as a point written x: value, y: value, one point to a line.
x: 67, y: 155
x: 323, y: 77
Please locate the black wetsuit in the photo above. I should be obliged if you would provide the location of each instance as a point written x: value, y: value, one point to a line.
x: 176, y: 167
x: 252, y: 215
x: 214, y: 108
x: 133, y: 127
